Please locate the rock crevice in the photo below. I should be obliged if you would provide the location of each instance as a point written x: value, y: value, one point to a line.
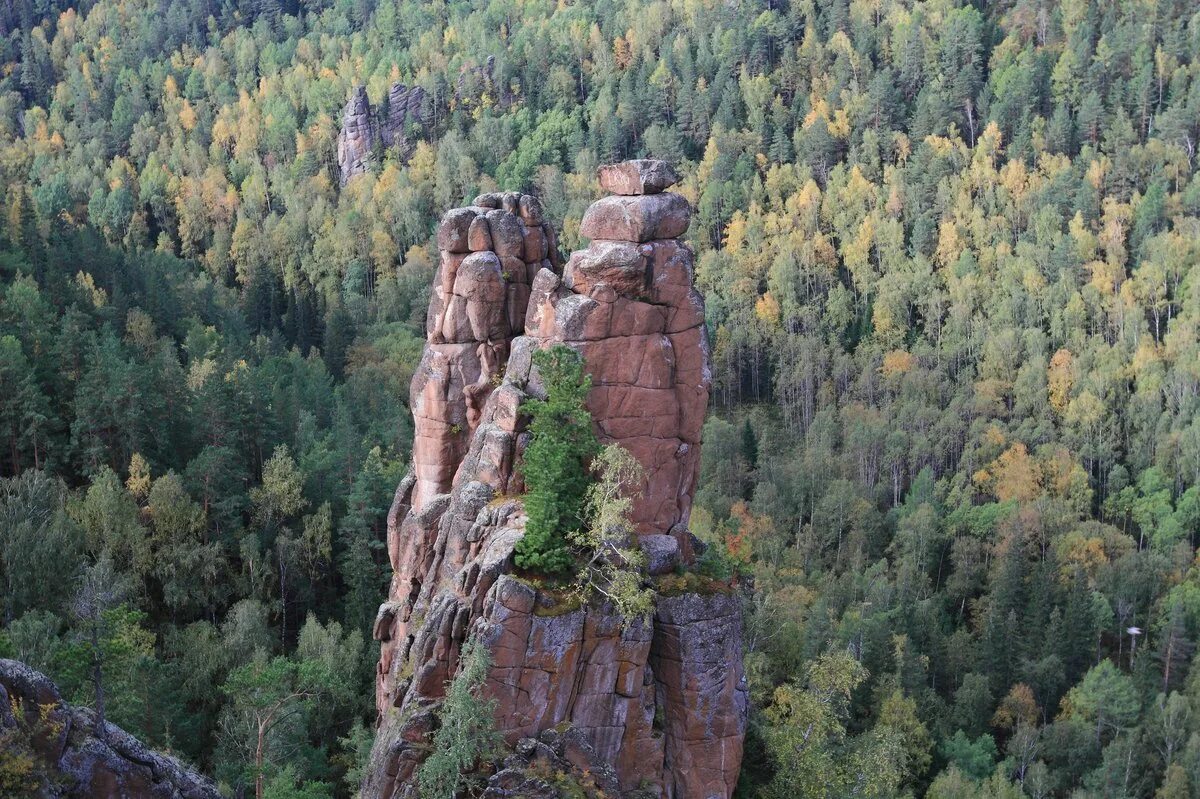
x: 662, y: 700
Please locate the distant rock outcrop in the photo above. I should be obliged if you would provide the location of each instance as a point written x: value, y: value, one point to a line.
x: 70, y: 758
x: 356, y: 142
x: 662, y: 701
x: 399, y: 124
x: 407, y: 113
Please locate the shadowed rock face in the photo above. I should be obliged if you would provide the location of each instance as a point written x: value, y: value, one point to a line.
x: 662, y: 701
x: 80, y: 762
x: 407, y: 109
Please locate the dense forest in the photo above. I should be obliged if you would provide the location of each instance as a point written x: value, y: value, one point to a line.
x: 951, y: 256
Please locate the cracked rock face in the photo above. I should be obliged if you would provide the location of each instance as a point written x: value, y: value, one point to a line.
x: 357, y: 137
x: 408, y: 112
x: 84, y: 763
x: 404, y: 119
x: 488, y: 256
x: 662, y: 701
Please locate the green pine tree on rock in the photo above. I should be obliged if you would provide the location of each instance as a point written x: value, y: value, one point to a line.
x: 556, y: 462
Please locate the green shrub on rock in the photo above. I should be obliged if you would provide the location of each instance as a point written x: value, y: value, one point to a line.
x: 556, y: 462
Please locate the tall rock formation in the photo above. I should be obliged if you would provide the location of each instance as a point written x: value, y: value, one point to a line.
x: 356, y: 141
x: 407, y: 112
x: 70, y: 756
x: 658, y: 706
x: 398, y: 124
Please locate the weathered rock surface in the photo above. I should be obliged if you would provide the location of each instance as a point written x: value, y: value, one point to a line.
x: 662, y: 553
x: 479, y: 302
x: 662, y: 700
x: 642, y: 176
x: 400, y: 123
x: 79, y: 762
x: 408, y: 116
x: 531, y: 772
x: 638, y: 218
x: 358, y: 136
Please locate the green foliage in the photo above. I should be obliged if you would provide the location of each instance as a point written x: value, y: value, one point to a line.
x: 286, y: 784
x: 555, y: 464
x: 948, y: 253
x: 898, y: 716
x: 263, y: 731
x: 24, y: 774
x: 355, y: 755
x: 953, y: 784
x: 466, y: 737
x: 38, y: 542
x: 975, y: 759
x: 715, y: 563
x: 553, y: 141
x: 1104, y: 698
x: 807, y: 729
x: 614, y: 565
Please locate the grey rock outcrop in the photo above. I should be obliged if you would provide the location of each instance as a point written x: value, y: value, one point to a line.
x: 74, y: 758
x: 408, y: 112
x: 400, y: 123
x: 356, y: 142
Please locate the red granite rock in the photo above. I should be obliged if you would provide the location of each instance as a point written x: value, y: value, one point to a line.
x: 618, y: 264
x: 479, y: 235
x: 638, y: 218
x: 642, y: 176
x: 662, y: 702
x: 453, y: 229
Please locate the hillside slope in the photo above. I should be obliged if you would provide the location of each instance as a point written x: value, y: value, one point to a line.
x: 948, y: 252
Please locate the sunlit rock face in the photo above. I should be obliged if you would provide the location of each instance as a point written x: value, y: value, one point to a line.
x: 659, y: 706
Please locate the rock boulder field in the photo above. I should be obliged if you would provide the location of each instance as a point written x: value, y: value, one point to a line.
x: 657, y: 707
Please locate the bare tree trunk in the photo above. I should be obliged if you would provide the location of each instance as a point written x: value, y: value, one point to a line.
x: 258, y: 760
x: 98, y: 682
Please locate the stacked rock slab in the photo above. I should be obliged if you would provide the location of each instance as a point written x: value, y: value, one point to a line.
x: 663, y: 700
x: 489, y: 254
x: 627, y: 303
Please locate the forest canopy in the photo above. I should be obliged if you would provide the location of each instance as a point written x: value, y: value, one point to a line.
x: 950, y: 256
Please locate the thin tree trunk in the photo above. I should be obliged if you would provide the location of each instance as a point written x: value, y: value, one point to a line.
x: 98, y: 683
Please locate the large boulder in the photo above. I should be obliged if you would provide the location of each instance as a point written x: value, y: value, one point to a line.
x: 662, y: 553
x: 641, y: 176
x: 638, y: 218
